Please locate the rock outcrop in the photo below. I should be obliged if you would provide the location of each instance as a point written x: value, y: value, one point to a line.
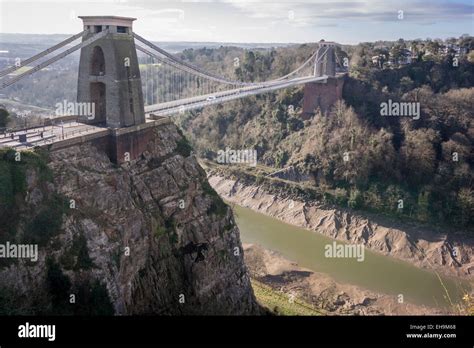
x: 147, y: 237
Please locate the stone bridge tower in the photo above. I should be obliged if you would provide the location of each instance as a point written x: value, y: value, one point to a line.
x: 323, y: 96
x: 109, y: 74
x: 325, y: 59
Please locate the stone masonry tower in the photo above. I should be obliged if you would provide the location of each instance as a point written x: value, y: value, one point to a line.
x: 323, y: 96
x: 326, y: 59
x: 109, y: 74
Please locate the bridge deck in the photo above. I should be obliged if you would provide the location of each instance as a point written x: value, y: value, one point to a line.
x: 40, y: 136
x: 165, y: 109
x: 68, y: 133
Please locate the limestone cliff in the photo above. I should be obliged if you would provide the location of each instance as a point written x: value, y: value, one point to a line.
x: 147, y: 237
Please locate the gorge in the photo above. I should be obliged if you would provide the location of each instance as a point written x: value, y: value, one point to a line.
x: 127, y: 246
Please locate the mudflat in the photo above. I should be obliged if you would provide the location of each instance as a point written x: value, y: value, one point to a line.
x: 322, y: 291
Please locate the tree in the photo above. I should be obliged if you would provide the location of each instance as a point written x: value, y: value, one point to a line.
x: 355, y: 199
x: 470, y: 57
x: 406, y: 84
x: 4, y: 117
x: 423, y: 211
x: 466, y: 204
x: 396, y: 53
x: 419, y: 155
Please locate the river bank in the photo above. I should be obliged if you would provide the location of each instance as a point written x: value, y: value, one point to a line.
x: 444, y: 253
x: 296, y: 283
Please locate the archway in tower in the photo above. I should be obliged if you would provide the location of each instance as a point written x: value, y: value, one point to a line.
x: 97, y: 66
x: 97, y: 93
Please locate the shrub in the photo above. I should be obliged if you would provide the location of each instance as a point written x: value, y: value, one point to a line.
x: 83, y: 259
x: 160, y: 231
x: 217, y: 206
x: 355, y: 199
x: 13, y: 183
x: 183, y: 147
x: 340, y: 196
x: 93, y: 299
x: 58, y: 285
x: 47, y: 222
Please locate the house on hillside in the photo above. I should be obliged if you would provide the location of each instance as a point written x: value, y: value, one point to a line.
x: 453, y: 48
x: 378, y: 60
x: 406, y: 57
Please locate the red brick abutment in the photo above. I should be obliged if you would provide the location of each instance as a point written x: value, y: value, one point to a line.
x: 321, y: 95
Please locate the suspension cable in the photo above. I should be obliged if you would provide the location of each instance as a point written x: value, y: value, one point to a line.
x: 55, y: 58
x: 40, y: 55
x: 190, y: 66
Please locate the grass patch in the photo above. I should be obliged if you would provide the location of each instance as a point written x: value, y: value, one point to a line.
x: 169, y: 229
x: 160, y: 231
x: 279, y: 303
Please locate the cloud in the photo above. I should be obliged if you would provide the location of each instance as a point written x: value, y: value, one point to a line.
x: 167, y: 15
x: 308, y: 13
x: 245, y: 20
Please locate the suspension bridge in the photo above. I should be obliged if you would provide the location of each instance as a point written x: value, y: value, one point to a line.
x: 110, y: 80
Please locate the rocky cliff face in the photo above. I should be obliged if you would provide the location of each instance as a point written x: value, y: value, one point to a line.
x: 147, y: 237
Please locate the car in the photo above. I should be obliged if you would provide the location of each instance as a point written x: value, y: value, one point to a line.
x: 211, y: 97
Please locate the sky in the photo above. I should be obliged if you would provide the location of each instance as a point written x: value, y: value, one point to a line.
x: 343, y: 21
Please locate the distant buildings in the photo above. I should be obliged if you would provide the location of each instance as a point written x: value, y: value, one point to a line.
x: 453, y: 48
x: 378, y: 60
x: 406, y: 57
x: 399, y: 55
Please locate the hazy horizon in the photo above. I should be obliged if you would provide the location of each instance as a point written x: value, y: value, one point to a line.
x: 248, y: 42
